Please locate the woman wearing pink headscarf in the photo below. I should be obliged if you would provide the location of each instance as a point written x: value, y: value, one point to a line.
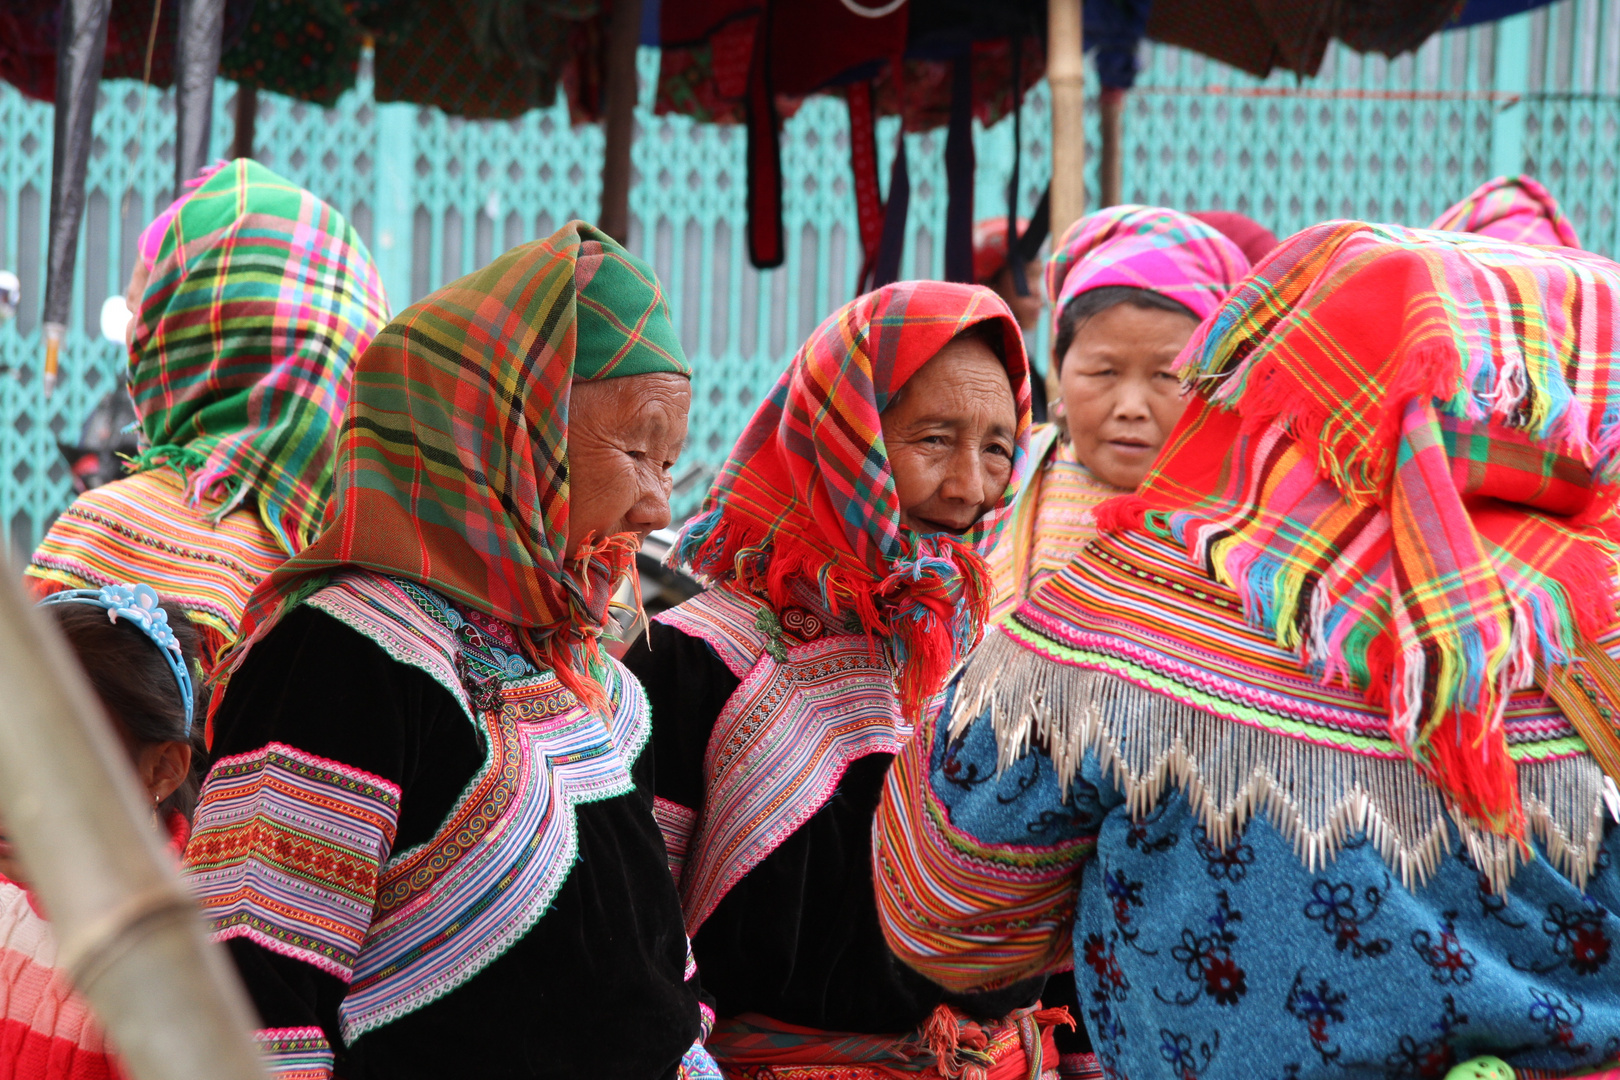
x: 1515, y: 208
x: 1128, y: 285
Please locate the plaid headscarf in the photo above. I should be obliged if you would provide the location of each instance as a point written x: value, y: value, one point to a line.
x: 261, y: 299
x: 1515, y: 208
x: 1402, y: 461
x: 808, y: 493
x: 453, y: 462
x: 1148, y: 247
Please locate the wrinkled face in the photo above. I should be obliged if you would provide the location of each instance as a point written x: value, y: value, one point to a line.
x: 624, y: 436
x: 1119, y: 394
x: 132, y: 299
x: 951, y: 436
x: 1026, y: 309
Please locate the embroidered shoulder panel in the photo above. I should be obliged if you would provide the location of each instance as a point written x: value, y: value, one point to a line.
x: 777, y: 753
x: 287, y: 850
x: 727, y: 621
x: 1129, y: 653
x: 412, y: 624
x: 448, y: 908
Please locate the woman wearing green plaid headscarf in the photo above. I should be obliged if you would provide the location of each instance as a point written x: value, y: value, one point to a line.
x: 431, y: 814
x: 253, y: 301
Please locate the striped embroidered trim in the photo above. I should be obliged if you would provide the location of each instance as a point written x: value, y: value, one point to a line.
x: 677, y: 823
x: 781, y: 744
x: 448, y: 908
x: 973, y: 914
x: 1150, y: 735
x: 696, y: 1064
x: 286, y: 852
x: 409, y: 622
x: 296, y: 1053
x: 141, y: 529
x: 728, y: 624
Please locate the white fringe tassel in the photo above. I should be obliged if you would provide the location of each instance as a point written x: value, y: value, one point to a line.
x: 1316, y: 796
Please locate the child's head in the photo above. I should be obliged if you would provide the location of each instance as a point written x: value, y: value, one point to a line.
x: 139, y: 687
x: 1129, y: 285
x: 1115, y: 352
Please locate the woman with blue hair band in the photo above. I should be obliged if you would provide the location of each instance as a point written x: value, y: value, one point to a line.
x: 137, y: 653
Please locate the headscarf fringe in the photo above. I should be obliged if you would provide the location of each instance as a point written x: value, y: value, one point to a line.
x: 926, y: 621
x: 1319, y: 798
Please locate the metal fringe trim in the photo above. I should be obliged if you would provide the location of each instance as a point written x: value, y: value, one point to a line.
x: 1316, y: 796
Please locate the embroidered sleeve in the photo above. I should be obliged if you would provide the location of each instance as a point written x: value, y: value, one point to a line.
x: 976, y: 875
x: 677, y: 823
x: 286, y: 852
x: 296, y: 1053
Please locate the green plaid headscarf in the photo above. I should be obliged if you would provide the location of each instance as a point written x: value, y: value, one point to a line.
x: 453, y: 462
x: 261, y: 299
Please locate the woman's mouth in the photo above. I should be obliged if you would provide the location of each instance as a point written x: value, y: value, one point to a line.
x: 1132, y: 447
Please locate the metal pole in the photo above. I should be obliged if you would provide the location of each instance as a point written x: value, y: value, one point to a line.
x: 196, y: 63
x: 619, y: 124
x: 1065, y: 76
x: 129, y: 934
x: 81, y: 47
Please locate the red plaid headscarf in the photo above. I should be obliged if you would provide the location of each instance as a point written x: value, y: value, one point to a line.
x: 453, y: 463
x: 808, y: 493
x: 1403, y: 461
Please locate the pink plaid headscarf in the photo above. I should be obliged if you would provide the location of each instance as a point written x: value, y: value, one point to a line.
x: 1513, y: 208
x: 1149, y: 247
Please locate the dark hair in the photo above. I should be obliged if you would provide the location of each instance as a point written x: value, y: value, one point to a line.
x: 136, y: 686
x: 1094, y: 302
x: 990, y: 333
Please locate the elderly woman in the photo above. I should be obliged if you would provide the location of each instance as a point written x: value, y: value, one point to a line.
x: 843, y: 543
x: 1516, y: 208
x: 427, y: 837
x: 1129, y: 285
x: 1306, y: 745
x: 252, y: 301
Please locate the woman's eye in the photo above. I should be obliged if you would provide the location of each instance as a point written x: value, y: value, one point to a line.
x: 998, y: 449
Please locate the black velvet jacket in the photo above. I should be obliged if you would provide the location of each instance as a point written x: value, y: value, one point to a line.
x: 798, y: 938
x: 595, y: 989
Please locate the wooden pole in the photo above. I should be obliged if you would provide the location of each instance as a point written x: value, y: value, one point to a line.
x: 247, y: 118
x: 1065, y: 75
x: 129, y: 934
x: 619, y: 124
x: 1111, y: 162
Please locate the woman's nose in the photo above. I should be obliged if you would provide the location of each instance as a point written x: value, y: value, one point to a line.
x: 964, y: 478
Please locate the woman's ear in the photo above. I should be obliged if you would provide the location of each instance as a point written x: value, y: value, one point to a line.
x: 163, y: 767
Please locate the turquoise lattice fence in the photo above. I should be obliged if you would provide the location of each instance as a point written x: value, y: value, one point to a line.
x: 436, y: 197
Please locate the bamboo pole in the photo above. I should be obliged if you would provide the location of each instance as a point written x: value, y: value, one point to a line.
x: 129, y: 935
x: 619, y: 123
x: 1065, y: 76
x: 1111, y: 160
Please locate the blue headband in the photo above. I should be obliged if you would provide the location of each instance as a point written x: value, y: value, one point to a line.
x: 138, y: 604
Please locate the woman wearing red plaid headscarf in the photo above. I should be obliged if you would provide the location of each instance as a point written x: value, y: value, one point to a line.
x: 844, y: 544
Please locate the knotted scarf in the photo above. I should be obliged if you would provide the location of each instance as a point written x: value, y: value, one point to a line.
x: 808, y: 492
x: 1515, y: 208
x: 1401, y: 458
x: 453, y: 462
x: 1148, y: 247
x: 260, y: 300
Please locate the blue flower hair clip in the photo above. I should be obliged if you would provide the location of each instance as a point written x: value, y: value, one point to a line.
x: 140, y: 605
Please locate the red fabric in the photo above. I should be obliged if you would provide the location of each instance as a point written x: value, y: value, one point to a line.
x: 30, y: 1055
x: 990, y: 247
x: 1253, y: 238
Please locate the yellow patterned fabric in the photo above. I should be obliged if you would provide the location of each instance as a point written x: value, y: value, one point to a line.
x: 143, y: 528
x: 1051, y: 521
